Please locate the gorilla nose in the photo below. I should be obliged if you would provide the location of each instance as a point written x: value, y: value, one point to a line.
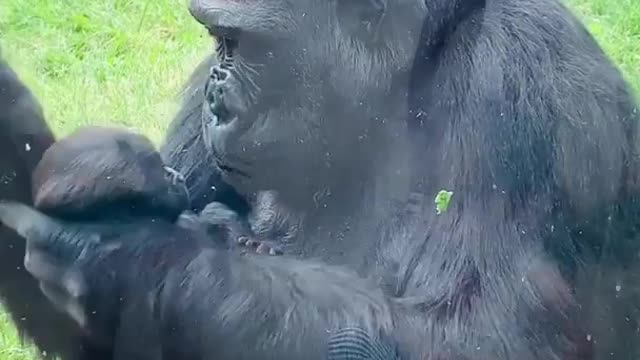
x: 224, y: 96
x: 215, y: 93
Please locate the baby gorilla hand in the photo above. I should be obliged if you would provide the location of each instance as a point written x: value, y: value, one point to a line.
x: 219, y: 220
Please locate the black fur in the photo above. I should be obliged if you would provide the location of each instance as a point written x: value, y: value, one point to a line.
x: 117, y: 178
x: 144, y: 289
x: 24, y: 136
x: 99, y: 173
x: 349, y: 110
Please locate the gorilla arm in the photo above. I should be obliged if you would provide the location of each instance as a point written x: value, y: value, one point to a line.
x: 253, y: 306
x: 21, y: 121
x: 24, y: 136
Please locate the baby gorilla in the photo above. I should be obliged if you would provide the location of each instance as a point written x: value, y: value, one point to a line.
x: 144, y: 288
x: 111, y: 174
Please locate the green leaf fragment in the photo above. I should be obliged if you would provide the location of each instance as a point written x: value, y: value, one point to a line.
x: 442, y: 201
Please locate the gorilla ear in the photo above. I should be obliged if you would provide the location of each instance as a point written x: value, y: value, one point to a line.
x: 362, y: 18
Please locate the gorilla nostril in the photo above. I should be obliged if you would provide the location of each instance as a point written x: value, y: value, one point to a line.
x: 219, y: 73
x: 210, y: 96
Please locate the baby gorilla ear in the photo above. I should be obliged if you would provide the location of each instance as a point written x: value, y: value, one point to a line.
x: 51, y: 253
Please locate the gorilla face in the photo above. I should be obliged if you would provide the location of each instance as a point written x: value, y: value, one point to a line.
x: 290, y: 90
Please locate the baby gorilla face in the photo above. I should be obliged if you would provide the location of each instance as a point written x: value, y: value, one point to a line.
x: 96, y: 169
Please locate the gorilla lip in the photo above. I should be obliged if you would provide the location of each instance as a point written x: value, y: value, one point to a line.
x: 231, y: 170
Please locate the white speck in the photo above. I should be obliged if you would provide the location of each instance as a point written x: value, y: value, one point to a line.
x: 618, y: 288
x: 588, y: 337
x: 213, y: 188
x: 27, y: 147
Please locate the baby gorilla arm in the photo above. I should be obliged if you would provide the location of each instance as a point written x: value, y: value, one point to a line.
x: 220, y: 222
x: 254, y: 306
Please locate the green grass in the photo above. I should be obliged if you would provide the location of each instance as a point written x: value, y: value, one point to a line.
x: 123, y: 62
x: 616, y: 26
x: 104, y: 62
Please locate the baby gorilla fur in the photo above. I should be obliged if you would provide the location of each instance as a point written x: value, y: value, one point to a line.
x: 100, y: 173
x: 141, y: 289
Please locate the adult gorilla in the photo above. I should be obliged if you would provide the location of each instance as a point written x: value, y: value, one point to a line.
x: 350, y: 110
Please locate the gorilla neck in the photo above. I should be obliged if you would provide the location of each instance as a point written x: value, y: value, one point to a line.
x: 359, y: 200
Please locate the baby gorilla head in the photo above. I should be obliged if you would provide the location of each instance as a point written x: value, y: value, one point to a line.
x: 102, y: 174
x: 99, y: 172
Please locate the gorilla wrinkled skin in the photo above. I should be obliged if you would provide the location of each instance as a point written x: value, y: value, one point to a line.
x: 355, y: 113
